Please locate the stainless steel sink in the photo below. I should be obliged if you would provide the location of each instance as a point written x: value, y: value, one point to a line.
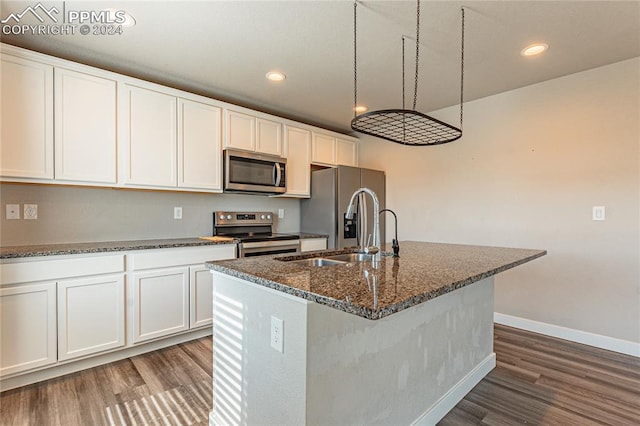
x: 320, y: 261
x: 351, y: 257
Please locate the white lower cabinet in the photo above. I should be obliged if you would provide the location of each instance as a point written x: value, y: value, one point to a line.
x: 171, y: 290
x: 60, y: 310
x: 90, y: 315
x: 201, y: 289
x: 160, y: 303
x: 27, y: 327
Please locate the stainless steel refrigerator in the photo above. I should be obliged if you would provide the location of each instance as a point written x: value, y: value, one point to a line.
x: 331, y: 190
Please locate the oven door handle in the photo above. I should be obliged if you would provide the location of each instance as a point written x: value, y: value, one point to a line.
x: 269, y: 244
x: 278, y: 173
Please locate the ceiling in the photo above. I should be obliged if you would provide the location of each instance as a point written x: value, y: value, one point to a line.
x: 223, y: 49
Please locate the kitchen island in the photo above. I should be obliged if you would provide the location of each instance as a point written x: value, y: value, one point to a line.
x: 398, y: 341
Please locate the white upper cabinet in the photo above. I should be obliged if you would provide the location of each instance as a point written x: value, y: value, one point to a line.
x: 251, y: 133
x: 68, y: 123
x: 346, y: 152
x: 241, y: 131
x: 199, y: 145
x: 148, y: 137
x: 85, y: 127
x: 26, y: 108
x: 333, y: 151
x: 297, y: 148
x: 324, y: 149
x: 268, y: 137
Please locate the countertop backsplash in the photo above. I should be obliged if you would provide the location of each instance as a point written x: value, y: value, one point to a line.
x: 77, y: 214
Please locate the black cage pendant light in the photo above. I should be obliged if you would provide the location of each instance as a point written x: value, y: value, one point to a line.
x: 405, y: 126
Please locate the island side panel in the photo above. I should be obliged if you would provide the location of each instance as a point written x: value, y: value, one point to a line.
x: 252, y: 382
x: 396, y: 369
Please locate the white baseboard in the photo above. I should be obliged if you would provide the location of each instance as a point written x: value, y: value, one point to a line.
x: 449, y: 400
x: 596, y: 340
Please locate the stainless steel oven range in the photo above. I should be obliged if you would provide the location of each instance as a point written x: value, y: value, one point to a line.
x: 255, y: 232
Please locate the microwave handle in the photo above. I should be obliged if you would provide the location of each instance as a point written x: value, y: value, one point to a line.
x: 278, y: 173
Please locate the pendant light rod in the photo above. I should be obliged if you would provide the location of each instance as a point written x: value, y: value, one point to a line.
x: 355, y: 57
x: 461, y: 67
x: 415, y: 87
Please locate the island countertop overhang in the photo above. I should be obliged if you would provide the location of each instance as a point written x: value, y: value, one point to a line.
x: 423, y: 272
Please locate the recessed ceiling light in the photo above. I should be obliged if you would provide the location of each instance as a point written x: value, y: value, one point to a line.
x: 275, y: 76
x: 360, y: 108
x: 534, y: 49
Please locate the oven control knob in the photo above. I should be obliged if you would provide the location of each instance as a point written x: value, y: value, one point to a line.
x: 228, y: 217
x: 262, y: 217
x: 269, y: 216
x: 221, y: 217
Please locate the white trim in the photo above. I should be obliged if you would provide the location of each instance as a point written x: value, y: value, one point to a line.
x: 449, y: 400
x: 591, y: 339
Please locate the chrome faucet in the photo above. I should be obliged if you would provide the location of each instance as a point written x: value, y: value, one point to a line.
x: 374, y: 247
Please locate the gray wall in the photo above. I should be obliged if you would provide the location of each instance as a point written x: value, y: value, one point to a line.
x: 75, y: 214
x: 531, y: 165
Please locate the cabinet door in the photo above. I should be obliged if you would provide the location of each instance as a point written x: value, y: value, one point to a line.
x: 85, y: 127
x: 90, y: 315
x: 199, y: 149
x: 241, y: 131
x: 201, y: 306
x: 160, y: 303
x: 346, y: 152
x: 26, y: 108
x: 298, y: 152
x: 27, y: 327
x: 323, y: 149
x: 149, y: 137
x: 269, y: 137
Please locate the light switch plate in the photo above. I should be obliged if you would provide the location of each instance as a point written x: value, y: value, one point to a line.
x: 177, y: 212
x: 30, y: 211
x: 598, y: 213
x: 13, y: 211
x: 280, y: 213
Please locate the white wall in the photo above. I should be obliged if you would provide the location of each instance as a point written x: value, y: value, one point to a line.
x: 75, y: 214
x: 530, y: 166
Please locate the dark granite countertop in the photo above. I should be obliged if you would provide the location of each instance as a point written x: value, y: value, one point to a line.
x: 14, y: 252
x: 424, y: 271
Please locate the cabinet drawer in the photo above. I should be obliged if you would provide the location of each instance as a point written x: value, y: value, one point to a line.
x: 160, y: 258
x: 313, y: 244
x: 41, y: 270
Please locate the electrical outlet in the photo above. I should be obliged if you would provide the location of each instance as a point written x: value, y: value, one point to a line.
x: 13, y: 211
x: 598, y: 213
x: 277, y: 334
x: 177, y: 212
x: 30, y: 211
x: 280, y: 213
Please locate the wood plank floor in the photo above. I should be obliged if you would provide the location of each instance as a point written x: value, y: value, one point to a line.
x: 538, y: 380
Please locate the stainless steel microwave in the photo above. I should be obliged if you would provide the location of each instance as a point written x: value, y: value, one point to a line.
x: 254, y: 173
